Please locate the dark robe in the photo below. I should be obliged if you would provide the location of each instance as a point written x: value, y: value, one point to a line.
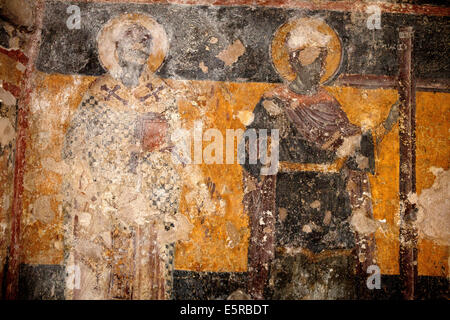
x: 313, y: 207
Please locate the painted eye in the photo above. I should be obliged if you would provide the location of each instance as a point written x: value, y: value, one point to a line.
x: 145, y: 38
x: 129, y: 33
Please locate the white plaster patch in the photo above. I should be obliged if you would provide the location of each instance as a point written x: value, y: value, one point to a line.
x: 203, y: 67
x: 362, y: 161
x: 232, y: 53
x: 327, y: 218
x: 246, y: 117
x: 234, y: 237
x: 84, y: 219
x: 272, y: 108
x: 305, y: 35
x: 6, y: 202
x: 7, y: 132
x: 362, y: 223
x: 348, y: 146
x: 42, y: 210
x: 3, y: 227
x: 38, y: 103
x: 315, y: 204
x: 6, y: 97
x: 307, y: 228
x: 20, y: 67
x: 433, y: 218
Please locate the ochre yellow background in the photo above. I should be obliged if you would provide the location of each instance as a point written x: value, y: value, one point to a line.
x: 217, y: 104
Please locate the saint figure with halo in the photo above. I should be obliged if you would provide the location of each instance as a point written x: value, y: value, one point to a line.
x: 322, y: 188
x: 122, y: 190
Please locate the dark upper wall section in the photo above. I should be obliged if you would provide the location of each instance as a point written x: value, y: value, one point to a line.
x: 190, y: 28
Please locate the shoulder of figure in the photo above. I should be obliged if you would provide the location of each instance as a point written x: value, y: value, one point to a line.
x: 285, y: 94
x: 272, y: 101
x: 156, y: 81
x: 324, y: 103
x: 280, y: 92
x: 100, y: 87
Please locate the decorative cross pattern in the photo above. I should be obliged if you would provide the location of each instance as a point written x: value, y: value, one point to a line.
x: 90, y: 102
x: 113, y: 93
x: 154, y: 93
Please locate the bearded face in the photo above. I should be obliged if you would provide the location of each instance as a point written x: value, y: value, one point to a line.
x: 135, y: 45
x: 133, y: 50
x: 309, y: 64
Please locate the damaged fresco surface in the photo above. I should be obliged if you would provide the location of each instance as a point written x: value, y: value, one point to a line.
x: 94, y: 204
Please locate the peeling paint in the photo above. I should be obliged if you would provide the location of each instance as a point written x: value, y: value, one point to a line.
x: 115, y: 206
x: 433, y: 218
x: 232, y: 53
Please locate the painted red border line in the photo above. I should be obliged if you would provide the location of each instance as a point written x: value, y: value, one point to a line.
x: 15, y: 90
x: 24, y: 102
x: 355, y: 6
x: 371, y: 81
x: 16, y: 55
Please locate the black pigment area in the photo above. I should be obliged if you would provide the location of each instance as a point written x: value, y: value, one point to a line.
x: 41, y: 282
x: 190, y: 29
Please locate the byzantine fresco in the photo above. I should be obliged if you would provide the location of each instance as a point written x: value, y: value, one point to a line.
x: 112, y: 203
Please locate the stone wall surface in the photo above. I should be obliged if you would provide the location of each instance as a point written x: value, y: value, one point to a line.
x: 107, y: 211
x: 14, y: 42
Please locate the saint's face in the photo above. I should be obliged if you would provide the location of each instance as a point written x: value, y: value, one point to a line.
x: 135, y: 47
x: 308, y: 64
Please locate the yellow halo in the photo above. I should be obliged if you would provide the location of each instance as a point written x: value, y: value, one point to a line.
x: 110, y: 33
x: 280, y: 53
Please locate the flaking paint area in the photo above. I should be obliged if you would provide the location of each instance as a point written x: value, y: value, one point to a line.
x: 53, y: 100
x: 217, y: 104
x: 433, y: 150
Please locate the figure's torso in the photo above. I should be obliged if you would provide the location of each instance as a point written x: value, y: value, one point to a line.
x: 312, y: 201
